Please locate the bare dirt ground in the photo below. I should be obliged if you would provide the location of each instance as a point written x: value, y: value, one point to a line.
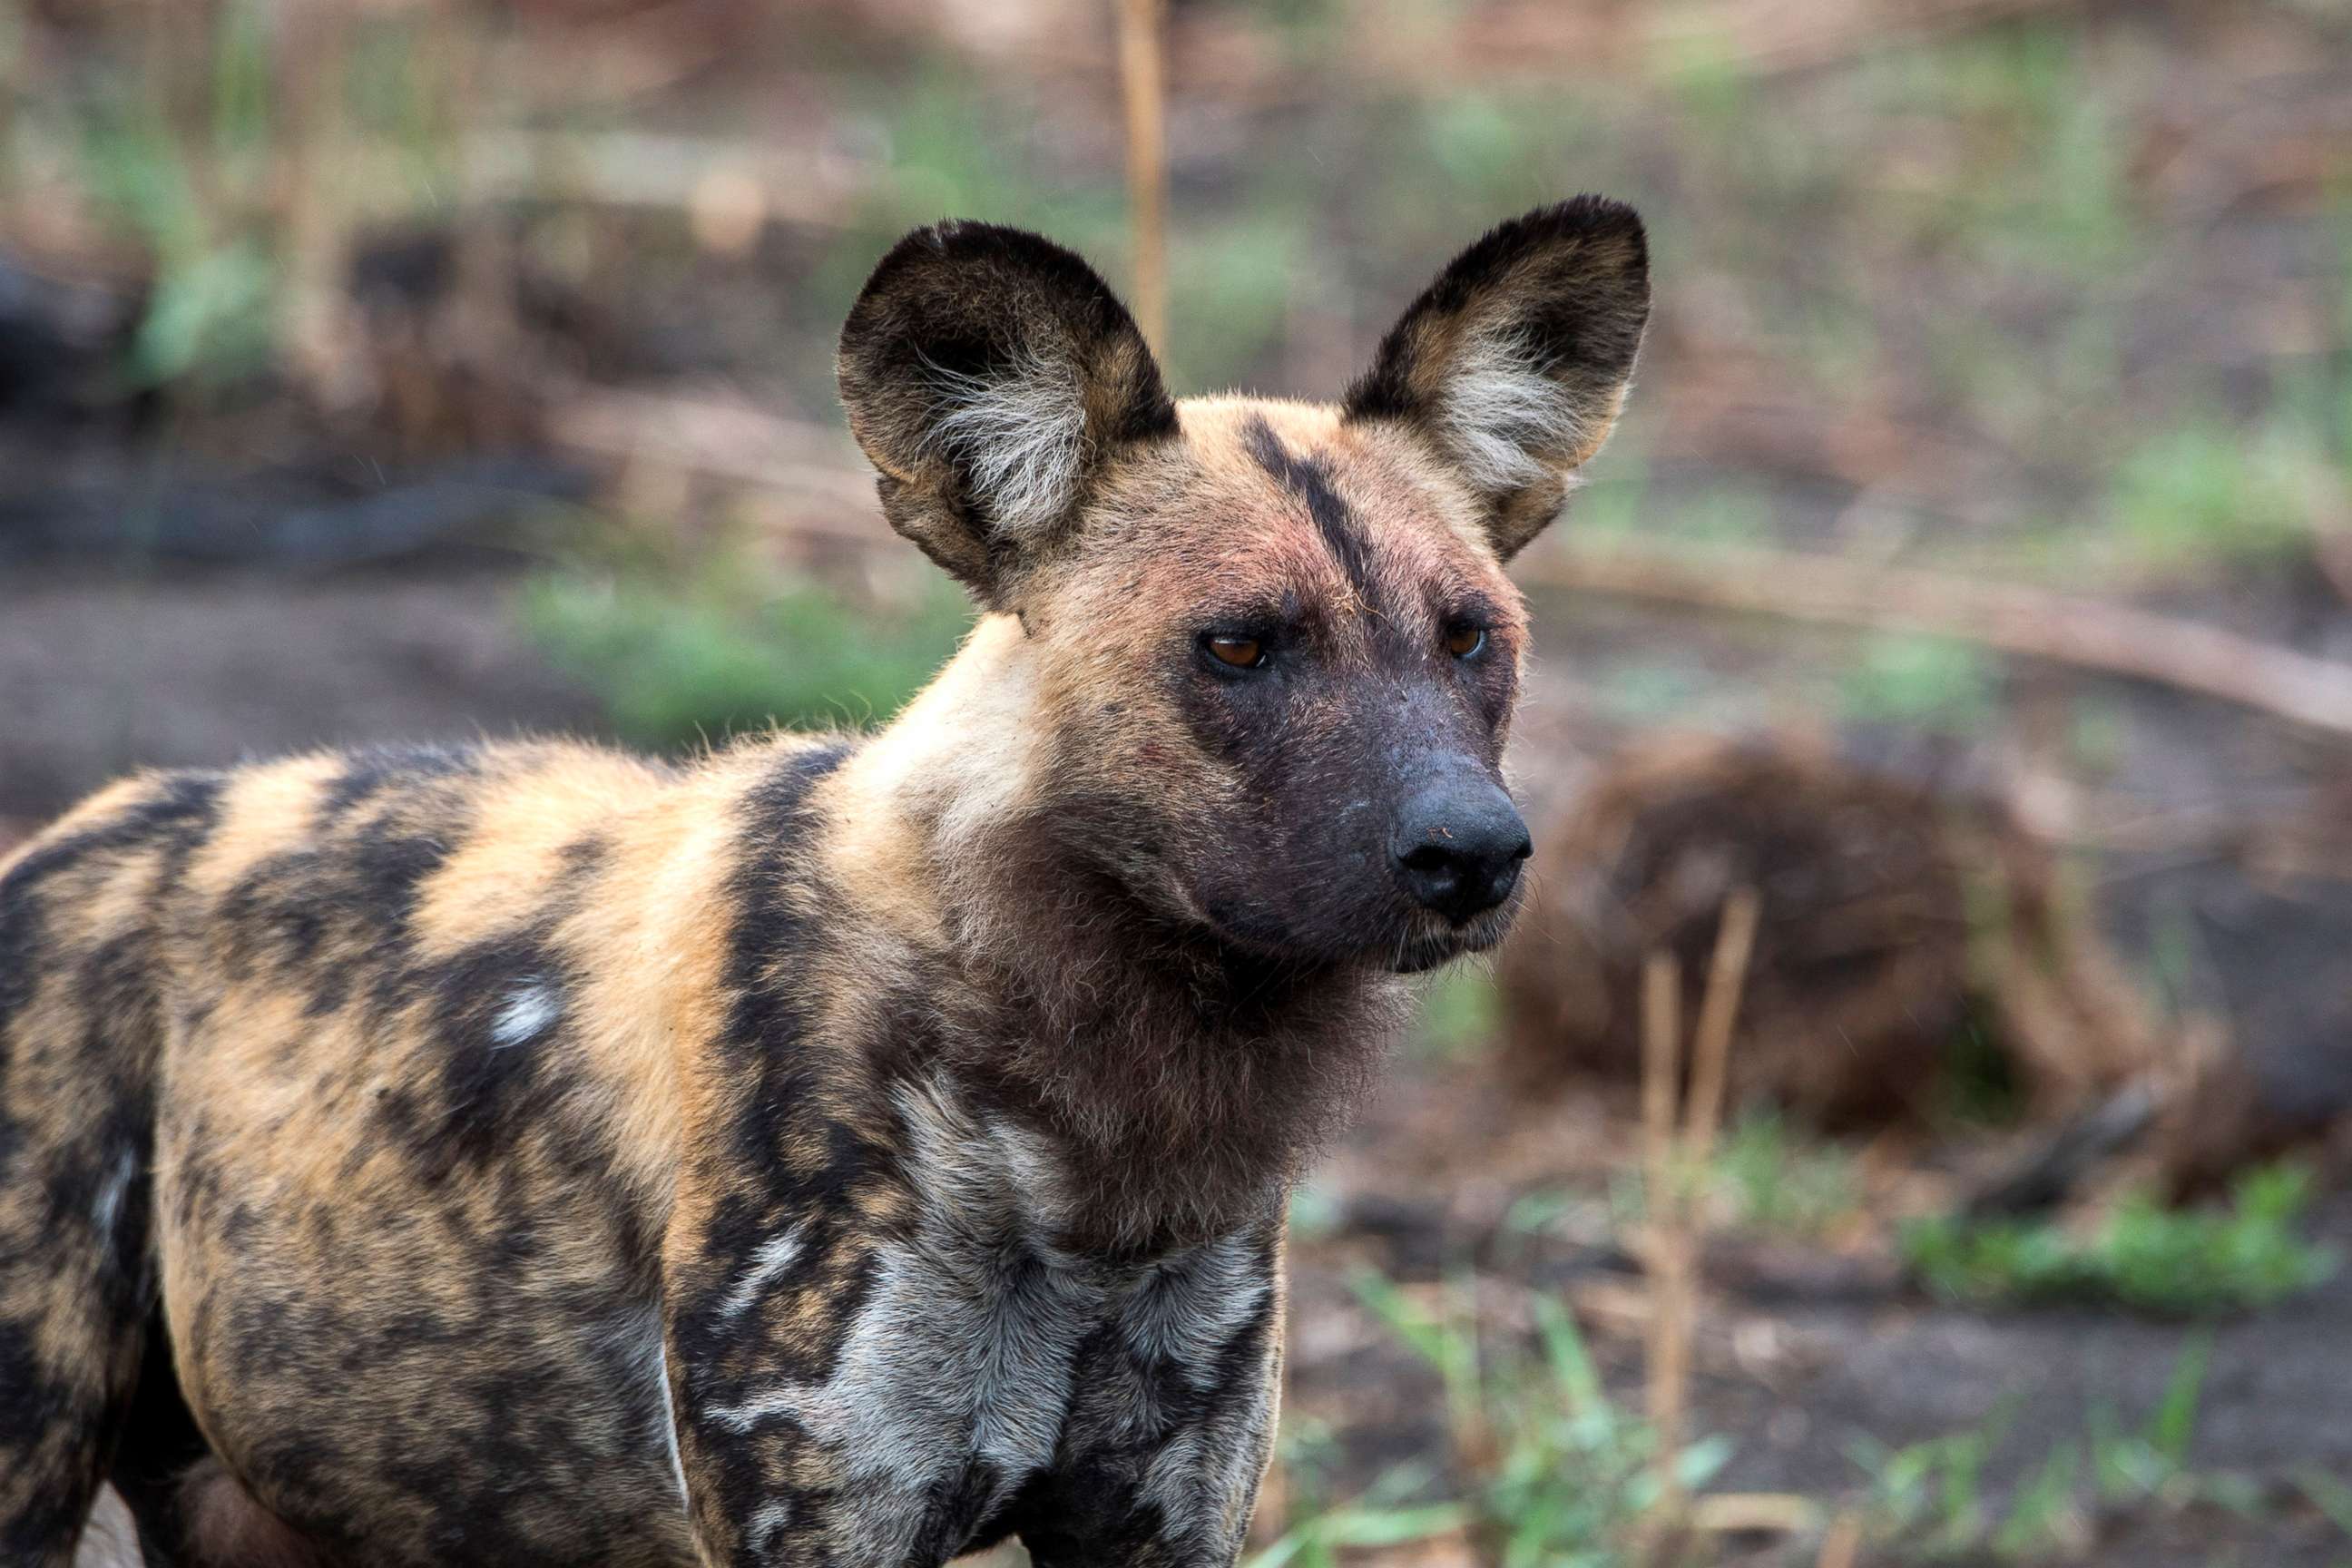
x: 1806, y: 1351
x: 201, y: 672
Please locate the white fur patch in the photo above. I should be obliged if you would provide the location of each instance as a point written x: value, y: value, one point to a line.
x: 107, y: 1208
x: 1020, y: 436
x: 1507, y: 423
x: 111, y: 1539
x: 768, y: 1265
x: 658, y: 1363
x: 529, y: 1009
x: 999, y: 1319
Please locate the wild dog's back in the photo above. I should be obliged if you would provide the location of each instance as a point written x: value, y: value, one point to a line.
x: 294, y: 1033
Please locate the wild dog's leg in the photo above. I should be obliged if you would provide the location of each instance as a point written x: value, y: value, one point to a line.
x: 755, y: 1474
x: 80, y: 1034
x: 111, y: 1539
x: 763, y: 1295
x: 227, y: 1529
x: 1173, y: 1423
x: 765, y: 1251
x: 835, y: 1354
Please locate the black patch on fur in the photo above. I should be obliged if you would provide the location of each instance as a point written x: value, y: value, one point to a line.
x: 276, y: 910
x: 777, y: 916
x: 774, y: 921
x: 35, y: 1398
x: 389, y: 866
x: 369, y: 770
x: 333, y: 917
x: 584, y: 855
x: 1309, y: 478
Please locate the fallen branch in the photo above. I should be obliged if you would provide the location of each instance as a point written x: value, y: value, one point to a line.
x: 2032, y: 623
x: 726, y: 439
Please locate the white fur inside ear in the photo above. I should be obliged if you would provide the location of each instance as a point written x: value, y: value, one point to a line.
x: 1020, y: 435
x: 1509, y: 424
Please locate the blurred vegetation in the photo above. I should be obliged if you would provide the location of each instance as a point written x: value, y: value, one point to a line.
x: 2142, y: 1256
x: 1765, y: 1176
x: 1932, y: 1498
x: 684, y: 653
x: 1933, y: 683
x: 1777, y: 1180
x: 1458, y: 1012
x: 1953, y: 229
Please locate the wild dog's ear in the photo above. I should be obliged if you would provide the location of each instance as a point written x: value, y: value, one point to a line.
x: 1514, y: 363
x: 989, y: 374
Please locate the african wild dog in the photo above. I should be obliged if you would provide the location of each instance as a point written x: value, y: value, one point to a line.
x: 839, y: 1149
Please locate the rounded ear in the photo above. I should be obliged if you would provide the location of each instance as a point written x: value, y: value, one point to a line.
x: 1514, y: 363
x: 989, y: 375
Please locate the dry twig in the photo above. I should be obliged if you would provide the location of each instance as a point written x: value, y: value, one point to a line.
x: 1661, y: 1067
x: 1762, y: 1513
x: 1843, y: 1546
x: 1142, y: 75
x: 1671, y: 1168
x: 1668, y: 1244
x: 1711, y: 1052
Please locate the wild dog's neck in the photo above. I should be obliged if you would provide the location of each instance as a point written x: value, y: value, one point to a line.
x: 963, y: 752
x: 1189, y: 1082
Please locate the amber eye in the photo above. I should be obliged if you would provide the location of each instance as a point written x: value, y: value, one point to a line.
x: 1465, y: 641
x: 1241, y: 653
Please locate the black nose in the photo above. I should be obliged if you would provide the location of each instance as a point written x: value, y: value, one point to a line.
x: 1458, y: 847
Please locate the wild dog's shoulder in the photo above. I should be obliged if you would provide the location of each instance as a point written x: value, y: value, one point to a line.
x: 127, y: 814
x: 73, y: 890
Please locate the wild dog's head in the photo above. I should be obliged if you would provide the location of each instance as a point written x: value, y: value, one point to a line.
x: 1273, y: 648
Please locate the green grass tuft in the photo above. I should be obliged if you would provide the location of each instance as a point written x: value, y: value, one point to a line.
x: 1771, y: 1179
x: 1550, y: 1472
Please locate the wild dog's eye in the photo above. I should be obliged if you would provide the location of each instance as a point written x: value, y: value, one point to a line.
x: 1241, y: 653
x: 1465, y: 639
